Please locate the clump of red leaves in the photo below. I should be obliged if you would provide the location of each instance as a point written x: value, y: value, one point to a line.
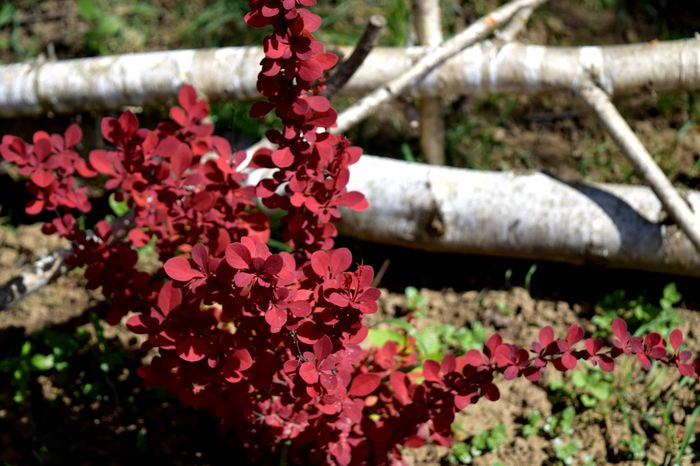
x: 270, y: 341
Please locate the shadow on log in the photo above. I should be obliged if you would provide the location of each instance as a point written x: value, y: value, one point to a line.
x: 529, y: 215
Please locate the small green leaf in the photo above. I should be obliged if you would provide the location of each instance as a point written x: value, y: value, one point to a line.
x: 119, y: 208
x: 671, y: 296
x: 461, y: 453
x: 43, y: 362
x: 279, y: 245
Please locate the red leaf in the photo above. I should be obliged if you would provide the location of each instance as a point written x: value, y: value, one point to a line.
x: 606, y: 363
x: 276, y: 318
x: 282, y: 158
x: 187, y: 96
x: 474, y: 358
x: 169, y: 298
x: 676, y: 339
x: 238, y: 256
x: 73, y: 135
x: 42, y: 179
x: 200, y: 256
x: 273, y: 264
x: 34, y: 207
x: 320, y: 262
x: 245, y: 361
x: 190, y: 349
x: 575, y: 334
x: 308, y: 372
x: 300, y: 308
x: 99, y: 160
x: 136, y: 324
x: 619, y: 328
x: 181, y: 159
x: 431, y: 371
x: 546, y: 336
x: 340, y: 260
x: 364, y: 384
x: 323, y: 348
x: 327, y: 60
x: 397, y: 380
x: 178, y: 268
x: 568, y: 361
x: 138, y: 237
x: 128, y: 122
x: 491, y: 392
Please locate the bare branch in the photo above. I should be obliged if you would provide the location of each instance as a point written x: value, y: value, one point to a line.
x: 515, y: 25
x: 632, y: 147
x: 348, y: 67
x: 50, y: 266
x: 42, y: 272
x: 429, y: 61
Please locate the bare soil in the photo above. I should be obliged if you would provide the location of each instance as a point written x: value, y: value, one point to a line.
x: 60, y: 423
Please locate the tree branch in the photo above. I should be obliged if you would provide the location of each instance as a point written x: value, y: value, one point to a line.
x: 348, y: 67
x: 635, y: 151
x: 103, y: 83
x: 432, y: 58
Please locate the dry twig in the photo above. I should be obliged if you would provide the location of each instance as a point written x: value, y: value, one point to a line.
x: 348, y: 67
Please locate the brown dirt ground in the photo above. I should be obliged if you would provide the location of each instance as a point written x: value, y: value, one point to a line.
x: 59, y: 425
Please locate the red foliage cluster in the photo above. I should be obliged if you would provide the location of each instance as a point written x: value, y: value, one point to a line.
x: 270, y: 342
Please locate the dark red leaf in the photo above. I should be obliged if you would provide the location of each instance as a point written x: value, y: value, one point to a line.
x: 169, y: 298
x: 364, y: 384
x: 308, y: 372
x: 178, y: 268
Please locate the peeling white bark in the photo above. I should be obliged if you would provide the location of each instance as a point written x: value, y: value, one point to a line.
x: 110, y: 83
x: 529, y: 215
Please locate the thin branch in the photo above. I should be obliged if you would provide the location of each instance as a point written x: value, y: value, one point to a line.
x: 50, y: 266
x: 429, y: 61
x: 635, y: 151
x: 348, y: 67
x: 43, y: 271
x: 515, y: 25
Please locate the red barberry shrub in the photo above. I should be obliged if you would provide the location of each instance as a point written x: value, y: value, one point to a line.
x: 270, y: 342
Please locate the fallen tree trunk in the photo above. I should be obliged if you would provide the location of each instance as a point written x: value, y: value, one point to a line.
x: 533, y: 216
x: 111, y: 82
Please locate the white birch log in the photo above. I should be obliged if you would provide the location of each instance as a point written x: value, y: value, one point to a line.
x: 531, y: 215
x: 112, y: 82
x: 506, y: 214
